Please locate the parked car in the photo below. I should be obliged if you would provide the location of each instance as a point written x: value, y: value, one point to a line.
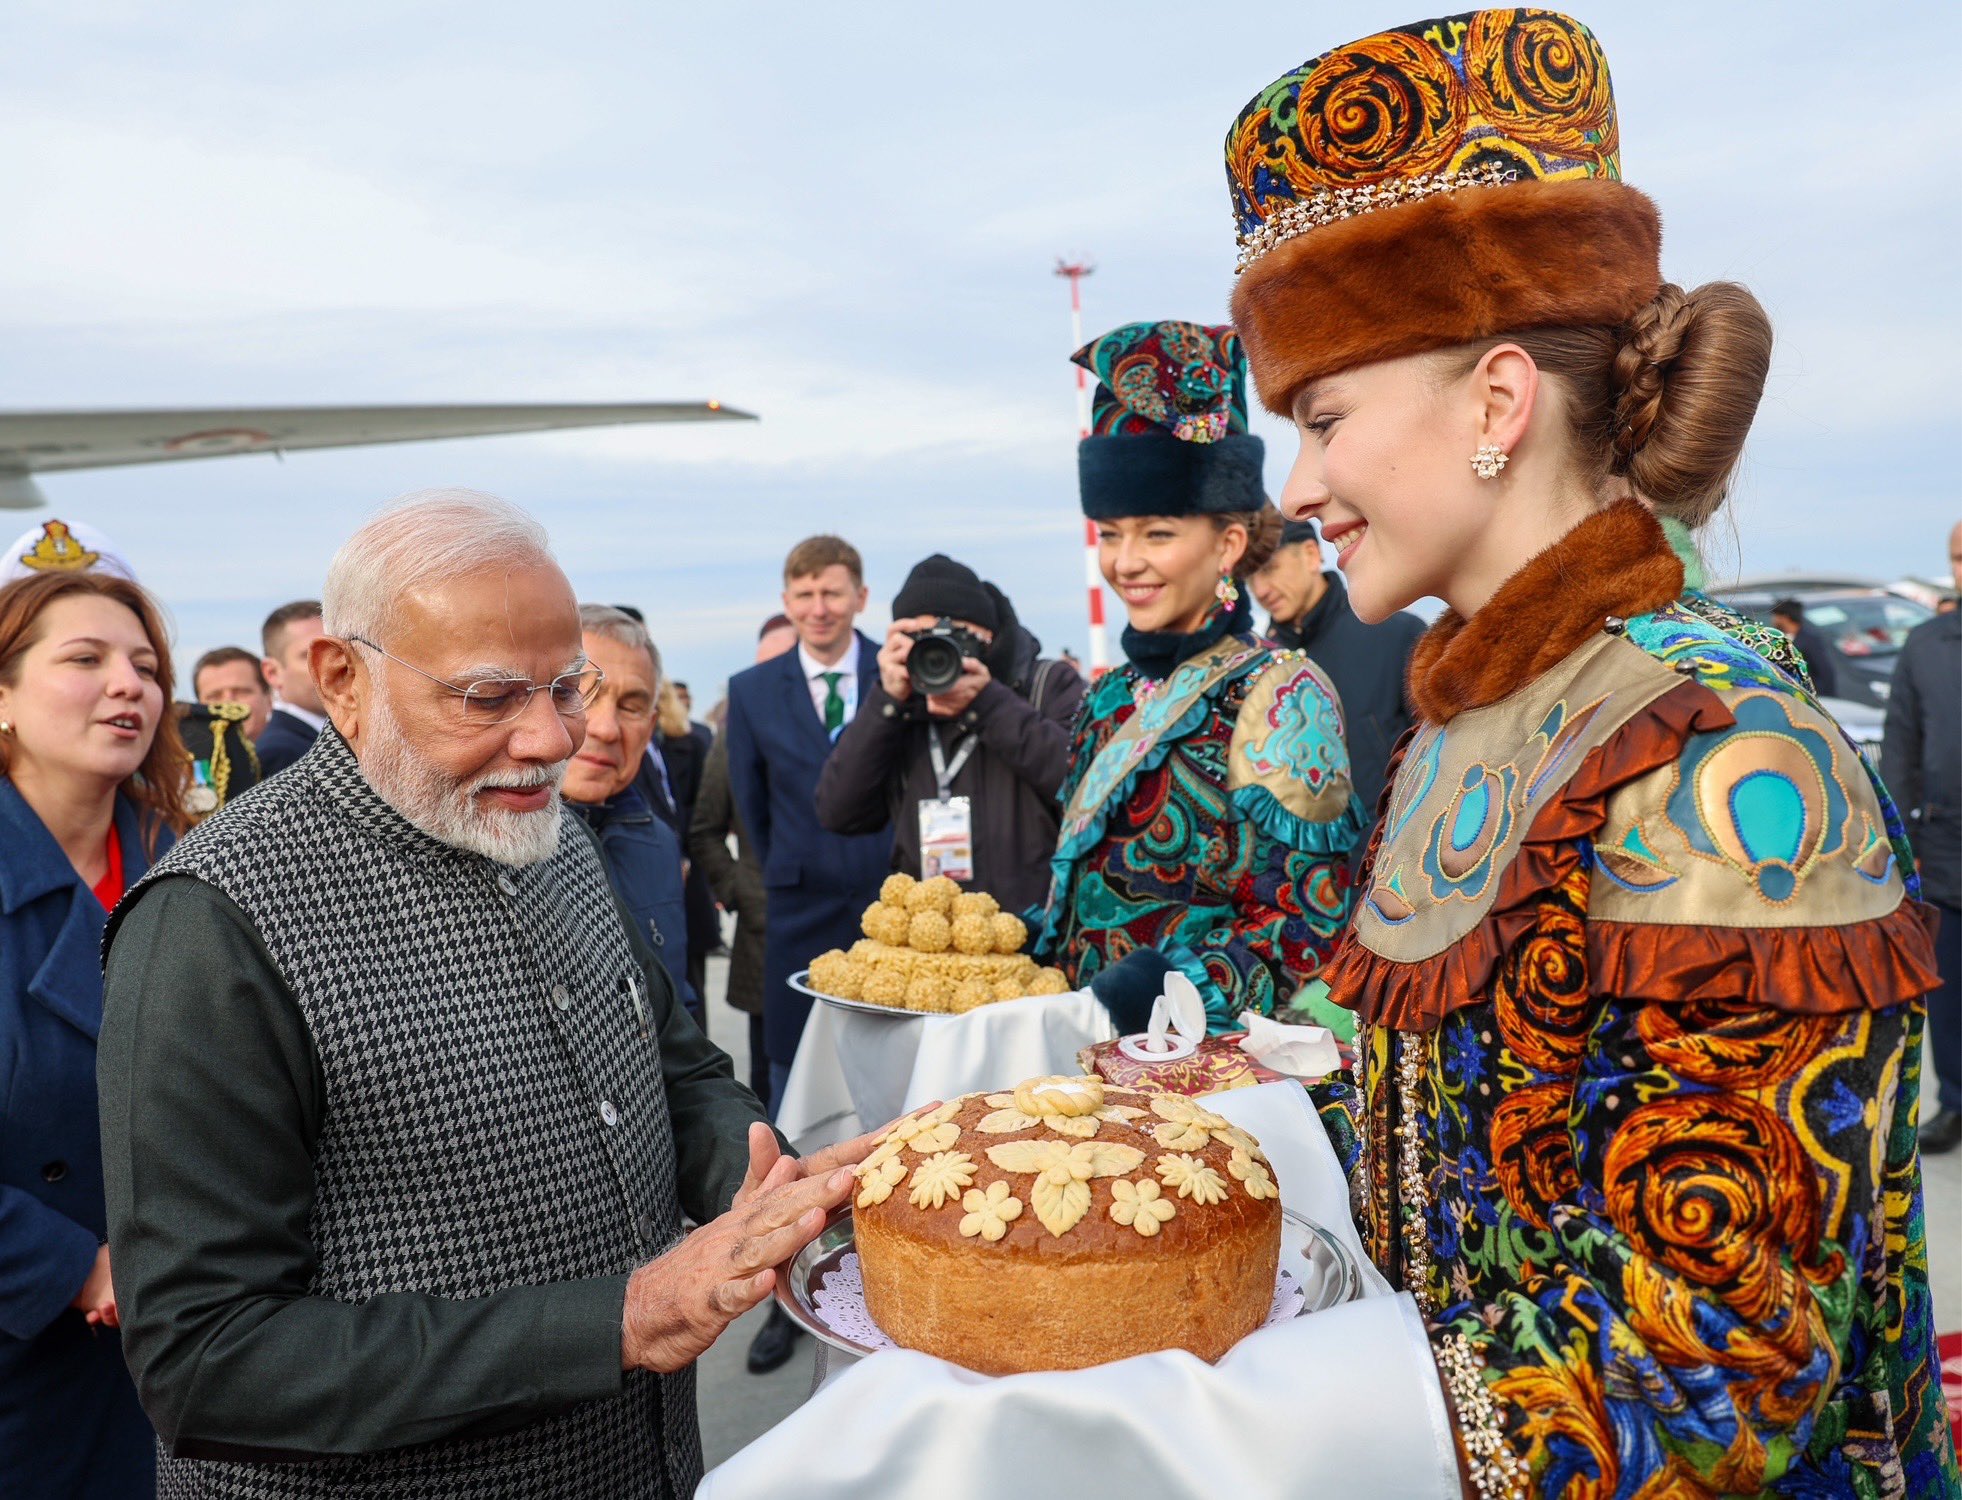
x: 1864, y: 724
x: 1865, y: 627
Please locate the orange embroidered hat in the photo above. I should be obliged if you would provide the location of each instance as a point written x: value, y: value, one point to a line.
x: 1430, y: 185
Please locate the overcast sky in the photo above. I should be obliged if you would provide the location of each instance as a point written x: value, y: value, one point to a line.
x: 844, y: 219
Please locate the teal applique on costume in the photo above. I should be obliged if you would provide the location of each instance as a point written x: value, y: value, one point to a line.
x: 1237, y: 888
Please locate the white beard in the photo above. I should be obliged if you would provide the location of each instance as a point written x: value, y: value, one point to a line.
x: 450, y: 813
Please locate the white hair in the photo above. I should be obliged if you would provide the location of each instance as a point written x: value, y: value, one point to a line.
x: 619, y: 626
x: 419, y: 539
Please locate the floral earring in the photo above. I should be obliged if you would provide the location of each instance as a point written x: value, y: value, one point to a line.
x: 1487, y: 461
x: 1227, y: 592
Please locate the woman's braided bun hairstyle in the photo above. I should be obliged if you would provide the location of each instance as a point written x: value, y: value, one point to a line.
x: 1666, y: 399
x: 1688, y: 376
x: 1264, y: 527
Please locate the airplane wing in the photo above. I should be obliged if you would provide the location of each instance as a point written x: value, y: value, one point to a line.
x: 48, y: 441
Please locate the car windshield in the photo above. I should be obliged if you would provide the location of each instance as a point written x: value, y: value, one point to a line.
x: 1865, y: 624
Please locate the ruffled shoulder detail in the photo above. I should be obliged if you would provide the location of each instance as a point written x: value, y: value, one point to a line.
x: 1779, y: 725
x: 1882, y: 958
x: 1288, y: 765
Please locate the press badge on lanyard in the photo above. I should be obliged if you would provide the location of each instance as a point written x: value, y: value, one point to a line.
x: 947, y: 821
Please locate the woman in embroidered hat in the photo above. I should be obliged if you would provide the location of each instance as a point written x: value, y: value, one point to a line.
x: 1638, y: 954
x: 1208, y: 810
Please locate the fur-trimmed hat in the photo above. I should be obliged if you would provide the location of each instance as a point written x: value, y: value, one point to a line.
x: 1168, y: 426
x: 1428, y: 186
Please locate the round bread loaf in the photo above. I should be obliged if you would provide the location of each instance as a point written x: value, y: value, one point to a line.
x: 1067, y: 1224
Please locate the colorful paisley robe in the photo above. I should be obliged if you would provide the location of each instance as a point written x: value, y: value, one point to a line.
x: 1639, y: 967
x: 1208, y: 815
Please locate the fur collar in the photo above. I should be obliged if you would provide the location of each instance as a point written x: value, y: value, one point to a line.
x: 1616, y: 562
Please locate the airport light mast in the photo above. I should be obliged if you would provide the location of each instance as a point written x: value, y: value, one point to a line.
x: 1099, y: 649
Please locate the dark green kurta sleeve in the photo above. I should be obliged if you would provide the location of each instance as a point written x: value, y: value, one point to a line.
x: 710, y: 1111
x: 211, y: 1101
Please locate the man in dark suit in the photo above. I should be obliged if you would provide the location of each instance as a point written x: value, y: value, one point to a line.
x: 1309, y: 611
x: 297, y: 714
x: 1921, y: 762
x: 784, y: 717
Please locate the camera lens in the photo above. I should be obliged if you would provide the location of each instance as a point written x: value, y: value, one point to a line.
x: 934, y: 664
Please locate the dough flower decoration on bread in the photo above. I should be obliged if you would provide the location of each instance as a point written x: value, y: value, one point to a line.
x: 884, y: 1169
x: 1068, y: 1106
x: 1235, y: 1139
x: 1061, y: 1195
x: 935, y: 1138
x: 876, y: 1180
x: 1253, y: 1175
x: 1141, y: 1205
x: 989, y: 1213
x: 1187, y: 1126
x: 939, y: 1178
x: 1190, y: 1177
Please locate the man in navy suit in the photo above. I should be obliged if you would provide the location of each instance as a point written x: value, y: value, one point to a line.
x: 298, y: 715
x: 784, y: 716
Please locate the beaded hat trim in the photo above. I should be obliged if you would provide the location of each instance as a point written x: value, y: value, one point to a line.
x: 1333, y: 204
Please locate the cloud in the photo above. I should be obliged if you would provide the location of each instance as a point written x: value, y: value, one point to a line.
x: 846, y: 222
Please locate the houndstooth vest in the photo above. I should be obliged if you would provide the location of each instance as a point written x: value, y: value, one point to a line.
x: 494, y: 1112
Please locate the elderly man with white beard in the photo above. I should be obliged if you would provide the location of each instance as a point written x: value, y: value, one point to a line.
x: 399, y: 1119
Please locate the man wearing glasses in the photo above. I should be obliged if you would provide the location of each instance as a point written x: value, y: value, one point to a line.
x: 400, y: 1119
x: 642, y: 853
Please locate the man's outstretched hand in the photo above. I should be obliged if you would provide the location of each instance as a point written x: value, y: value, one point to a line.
x: 679, y: 1304
x: 769, y: 1167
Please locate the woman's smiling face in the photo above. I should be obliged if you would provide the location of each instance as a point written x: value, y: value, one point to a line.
x: 1384, y: 466
x: 1167, y: 569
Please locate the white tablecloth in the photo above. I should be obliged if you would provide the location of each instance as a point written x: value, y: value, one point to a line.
x: 852, y: 1067
x: 1339, y: 1403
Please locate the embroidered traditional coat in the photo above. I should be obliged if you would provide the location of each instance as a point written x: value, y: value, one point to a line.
x: 1639, y: 965
x: 1208, y: 814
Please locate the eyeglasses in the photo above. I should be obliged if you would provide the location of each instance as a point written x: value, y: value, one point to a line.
x: 628, y: 705
x: 498, y: 700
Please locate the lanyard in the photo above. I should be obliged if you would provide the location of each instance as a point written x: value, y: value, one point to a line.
x: 944, y: 774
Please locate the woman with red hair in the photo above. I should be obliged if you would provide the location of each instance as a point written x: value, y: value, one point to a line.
x: 92, y: 778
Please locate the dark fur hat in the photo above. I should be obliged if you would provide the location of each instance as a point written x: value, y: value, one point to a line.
x: 1157, y: 475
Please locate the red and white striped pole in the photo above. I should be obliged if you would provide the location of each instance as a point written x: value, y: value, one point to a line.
x: 1099, y: 660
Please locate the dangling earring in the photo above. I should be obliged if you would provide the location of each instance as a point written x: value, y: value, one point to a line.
x: 1227, y: 592
x: 1487, y: 462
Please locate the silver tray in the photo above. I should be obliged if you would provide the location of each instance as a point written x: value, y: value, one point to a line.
x: 800, y: 982
x: 1302, y: 1239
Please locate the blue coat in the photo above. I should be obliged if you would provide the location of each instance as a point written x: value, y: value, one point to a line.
x: 817, y: 883
x: 68, y: 1410
x: 643, y: 862
x: 284, y: 740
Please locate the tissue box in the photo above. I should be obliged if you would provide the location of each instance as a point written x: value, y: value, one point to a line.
x: 1218, y: 1065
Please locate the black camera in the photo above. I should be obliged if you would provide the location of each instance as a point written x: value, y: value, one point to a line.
x: 934, y: 663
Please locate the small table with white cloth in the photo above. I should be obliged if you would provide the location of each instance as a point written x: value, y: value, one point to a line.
x: 856, y: 1069
x: 1337, y: 1403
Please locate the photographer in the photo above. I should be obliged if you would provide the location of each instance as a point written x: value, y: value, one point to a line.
x: 962, y: 743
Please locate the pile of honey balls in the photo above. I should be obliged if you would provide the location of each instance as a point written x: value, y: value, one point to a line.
x: 930, y: 946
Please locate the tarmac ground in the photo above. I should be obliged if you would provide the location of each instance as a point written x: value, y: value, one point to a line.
x: 738, y: 1407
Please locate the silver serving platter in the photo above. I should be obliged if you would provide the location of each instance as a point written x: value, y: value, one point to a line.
x: 1305, y: 1245
x: 800, y: 982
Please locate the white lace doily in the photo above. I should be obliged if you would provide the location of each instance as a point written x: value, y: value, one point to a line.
x: 839, y: 1302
